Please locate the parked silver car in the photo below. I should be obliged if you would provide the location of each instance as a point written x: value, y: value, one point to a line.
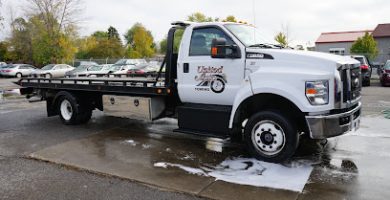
x: 103, y: 72
x: 52, y: 71
x: 92, y: 71
x: 77, y: 71
x: 17, y: 70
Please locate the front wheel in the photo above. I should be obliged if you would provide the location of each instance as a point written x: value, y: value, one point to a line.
x: 270, y: 136
x: 48, y: 76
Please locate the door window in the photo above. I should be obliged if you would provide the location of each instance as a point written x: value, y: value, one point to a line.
x: 201, y: 40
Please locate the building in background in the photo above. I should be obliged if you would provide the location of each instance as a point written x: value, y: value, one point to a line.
x: 340, y: 42
x: 382, y: 37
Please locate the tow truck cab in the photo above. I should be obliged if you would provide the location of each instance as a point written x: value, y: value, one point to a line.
x: 223, y: 81
x: 231, y: 83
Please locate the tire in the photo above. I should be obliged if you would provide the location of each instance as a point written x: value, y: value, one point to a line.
x: 71, y: 112
x: 366, y: 83
x: 271, y: 137
x: 18, y: 75
x: 48, y: 76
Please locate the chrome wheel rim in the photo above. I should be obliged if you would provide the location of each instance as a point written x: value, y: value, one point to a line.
x: 18, y: 75
x: 268, y: 137
x: 66, y: 110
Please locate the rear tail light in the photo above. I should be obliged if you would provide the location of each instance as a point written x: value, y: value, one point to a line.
x: 6, y: 71
x: 364, y: 67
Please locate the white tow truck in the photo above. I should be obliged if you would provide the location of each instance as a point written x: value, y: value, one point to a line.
x: 224, y: 82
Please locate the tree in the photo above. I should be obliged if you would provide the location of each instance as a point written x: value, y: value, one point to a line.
x: 3, y: 51
x: 112, y: 33
x: 176, y: 42
x: 365, y: 45
x: 199, y: 17
x: 57, y: 14
x: 46, y: 34
x: 140, y: 42
x: 281, y: 39
x: 101, y: 44
x: 230, y: 18
x: 1, y: 16
x: 163, y: 46
x: 100, y: 34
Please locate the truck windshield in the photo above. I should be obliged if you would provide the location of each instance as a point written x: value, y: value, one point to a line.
x: 247, y: 34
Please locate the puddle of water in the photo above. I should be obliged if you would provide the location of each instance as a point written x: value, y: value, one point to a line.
x: 249, y: 171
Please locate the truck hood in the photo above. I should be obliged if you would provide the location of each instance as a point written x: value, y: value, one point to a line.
x: 316, y: 59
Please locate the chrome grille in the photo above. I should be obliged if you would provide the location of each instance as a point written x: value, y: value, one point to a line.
x: 351, y: 82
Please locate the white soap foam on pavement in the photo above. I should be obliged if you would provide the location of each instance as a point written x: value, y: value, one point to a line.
x: 373, y: 126
x: 13, y: 91
x: 249, y: 171
x: 190, y: 170
x: 131, y: 142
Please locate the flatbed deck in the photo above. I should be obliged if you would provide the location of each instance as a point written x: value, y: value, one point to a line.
x: 132, y: 86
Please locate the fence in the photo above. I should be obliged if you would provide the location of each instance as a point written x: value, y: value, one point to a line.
x: 101, y: 61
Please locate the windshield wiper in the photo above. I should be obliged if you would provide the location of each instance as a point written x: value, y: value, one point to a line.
x: 267, y: 46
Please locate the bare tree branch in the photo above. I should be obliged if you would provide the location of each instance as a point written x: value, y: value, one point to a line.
x: 57, y: 14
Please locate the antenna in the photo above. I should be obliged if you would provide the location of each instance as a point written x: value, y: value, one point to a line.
x: 254, y: 18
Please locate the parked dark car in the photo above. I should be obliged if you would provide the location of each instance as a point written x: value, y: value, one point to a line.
x: 366, y: 68
x: 384, y: 74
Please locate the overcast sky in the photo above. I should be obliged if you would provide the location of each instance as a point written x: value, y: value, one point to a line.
x: 306, y: 18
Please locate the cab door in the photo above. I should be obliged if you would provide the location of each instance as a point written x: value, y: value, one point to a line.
x: 206, y: 80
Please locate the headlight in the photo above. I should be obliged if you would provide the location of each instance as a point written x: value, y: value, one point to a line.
x: 317, y: 92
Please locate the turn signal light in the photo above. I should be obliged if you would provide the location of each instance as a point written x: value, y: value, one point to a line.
x: 214, y: 51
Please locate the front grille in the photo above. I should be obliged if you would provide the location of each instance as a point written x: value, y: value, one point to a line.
x: 351, y: 82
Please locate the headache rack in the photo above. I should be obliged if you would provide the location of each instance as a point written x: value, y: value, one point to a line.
x: 103, y: 85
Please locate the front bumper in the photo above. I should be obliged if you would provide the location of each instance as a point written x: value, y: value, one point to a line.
x: 326, y: 126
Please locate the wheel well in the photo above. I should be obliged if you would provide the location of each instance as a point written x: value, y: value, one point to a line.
x: 87, y: 100
x: 268, y: 101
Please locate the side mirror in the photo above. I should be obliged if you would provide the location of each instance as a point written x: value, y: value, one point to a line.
x: 219, y: 49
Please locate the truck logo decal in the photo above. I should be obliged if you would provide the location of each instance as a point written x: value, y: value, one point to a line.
x: 210, y: 78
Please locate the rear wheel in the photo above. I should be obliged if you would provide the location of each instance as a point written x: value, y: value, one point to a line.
x: 19, y: 75
x: 71, y: 112
x: 270, y: 136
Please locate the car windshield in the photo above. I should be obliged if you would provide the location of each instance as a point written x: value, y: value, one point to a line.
x: 387, y: 66
x: 115, y: 67
x: 48, y: 67
x: 128, y: 62
x: 247, y: 34
x: 81, y: 68
x: 95, y: 68
x: 107, y: 67
x: 10, y: 66
x: 360, y: 59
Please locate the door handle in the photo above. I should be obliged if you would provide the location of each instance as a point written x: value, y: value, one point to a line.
x: 186, y: 68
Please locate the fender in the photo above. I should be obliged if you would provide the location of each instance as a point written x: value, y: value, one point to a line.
x: 276, y: 87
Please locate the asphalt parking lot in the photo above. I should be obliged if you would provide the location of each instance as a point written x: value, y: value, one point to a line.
x: 111, y: 158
